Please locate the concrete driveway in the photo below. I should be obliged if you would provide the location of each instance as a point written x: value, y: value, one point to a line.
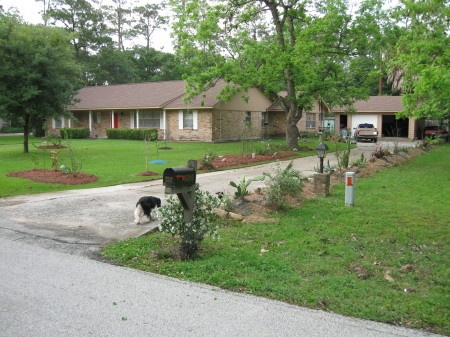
x: 87, y: 219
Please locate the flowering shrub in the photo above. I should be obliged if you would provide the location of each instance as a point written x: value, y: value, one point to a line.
x: 207, y: 161
x: 205, y: 222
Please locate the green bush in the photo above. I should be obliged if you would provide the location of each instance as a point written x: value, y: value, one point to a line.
x: 132, y: 134
x: 74, y: 133
x: 282, y: 183
x: 11, y: 129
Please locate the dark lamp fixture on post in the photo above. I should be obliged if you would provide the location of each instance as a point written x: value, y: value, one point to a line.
x: 322, y: 149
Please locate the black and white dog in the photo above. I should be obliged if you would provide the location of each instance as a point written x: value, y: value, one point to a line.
x: 144, y: 207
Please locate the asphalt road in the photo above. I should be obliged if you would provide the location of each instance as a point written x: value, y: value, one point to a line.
x: 47, y: 293
x: 52, y: 282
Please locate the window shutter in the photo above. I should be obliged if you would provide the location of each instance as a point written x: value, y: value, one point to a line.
x: 195, y: 120
x: 180, y: 119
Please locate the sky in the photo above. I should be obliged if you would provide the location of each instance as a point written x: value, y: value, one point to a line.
x: 29, y: 10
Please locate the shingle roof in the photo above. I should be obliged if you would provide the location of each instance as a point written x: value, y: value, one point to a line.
x: 205, y: 100
x: 376, y: 104
x: 127, y: 96
x: 167, y: 94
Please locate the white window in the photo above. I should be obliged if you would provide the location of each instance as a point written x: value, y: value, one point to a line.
x: 187, y: 119
x: 58, y: 123
x: 97, y: 117
x: 310, y: 120
x: 150, y: 119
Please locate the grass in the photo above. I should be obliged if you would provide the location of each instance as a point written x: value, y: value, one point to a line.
x: 113, y: 161
x: 398, y: 232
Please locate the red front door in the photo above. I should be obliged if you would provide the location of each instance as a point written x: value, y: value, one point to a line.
x: 116, y: 121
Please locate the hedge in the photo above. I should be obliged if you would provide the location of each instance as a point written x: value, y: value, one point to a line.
x: 132, y: 134
x: 11, y: 129
x: 74, y: 133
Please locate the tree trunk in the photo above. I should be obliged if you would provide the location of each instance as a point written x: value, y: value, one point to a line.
x: 292, y: 133
x: 26, y: 132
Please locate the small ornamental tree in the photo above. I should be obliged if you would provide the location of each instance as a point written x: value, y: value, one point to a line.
x: 205, y: 221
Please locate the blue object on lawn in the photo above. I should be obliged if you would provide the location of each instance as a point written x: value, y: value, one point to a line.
x: 158, y: 162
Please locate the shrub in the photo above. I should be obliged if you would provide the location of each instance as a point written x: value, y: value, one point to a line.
x: 283, y: 183
x: 205, y: 221
x: 11, y: 129
x: 361, y: 162
x: 343, y: 157
x: 132, y: 134
x: 74, y: 133
x: 207, y: 160
x: 379, y: 152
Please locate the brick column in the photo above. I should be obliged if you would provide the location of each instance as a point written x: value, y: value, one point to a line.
x: 322, y: 184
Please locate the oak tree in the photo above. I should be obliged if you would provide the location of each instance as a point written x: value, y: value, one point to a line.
x: 294, y: 50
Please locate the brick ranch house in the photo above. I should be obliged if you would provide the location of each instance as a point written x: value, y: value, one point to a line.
x: 380, y: 111
x: 161, y: 105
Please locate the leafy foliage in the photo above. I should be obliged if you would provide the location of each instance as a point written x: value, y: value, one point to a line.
x: 422, y: 57
x: 292, y: 51
x: 132, y: 134
x: 42, y: 61
x: 283, y: 183
x: 75, y: 133
x: 207, y: 160
x: 242, y: 186
x: 205, y: 221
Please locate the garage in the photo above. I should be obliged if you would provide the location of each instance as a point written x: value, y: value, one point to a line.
x: 360, y: 119
x: 392, y: 127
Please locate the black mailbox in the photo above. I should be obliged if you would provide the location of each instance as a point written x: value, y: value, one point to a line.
x: 177, y: 177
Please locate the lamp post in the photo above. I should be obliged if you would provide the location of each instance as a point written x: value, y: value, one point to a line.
x: 321, y: 149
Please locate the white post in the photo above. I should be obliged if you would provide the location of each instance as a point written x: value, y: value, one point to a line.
x: 349, y: 188
x: 164, y: 124
x: 90, y: 123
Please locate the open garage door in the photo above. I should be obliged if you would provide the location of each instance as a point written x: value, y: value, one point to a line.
x: 360, y: 119
x: 394, y: 127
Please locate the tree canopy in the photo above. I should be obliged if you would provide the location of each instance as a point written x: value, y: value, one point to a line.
x: 295, y: 51
x: 422, y: 57
x: 39, y: 76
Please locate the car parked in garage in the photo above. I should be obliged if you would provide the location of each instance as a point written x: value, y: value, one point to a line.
x: 435, y: 132
x: 366, y: 131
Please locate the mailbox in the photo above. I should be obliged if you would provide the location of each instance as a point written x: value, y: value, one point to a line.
x: 179, y: 177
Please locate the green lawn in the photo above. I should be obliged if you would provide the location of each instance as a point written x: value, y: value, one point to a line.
x: 113, y: 161
x: 398, y: 232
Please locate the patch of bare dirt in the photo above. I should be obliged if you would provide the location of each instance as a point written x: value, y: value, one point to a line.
x: 148, y: 174
x: 243, y: 159
x: 55, y: 177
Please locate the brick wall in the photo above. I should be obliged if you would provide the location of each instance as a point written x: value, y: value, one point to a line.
x: 203, y: 133
x: 232, y: 125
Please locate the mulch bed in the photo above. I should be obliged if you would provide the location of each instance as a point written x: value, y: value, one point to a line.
x: 55, y: 177
x: 242, y: 159
x: 50, y: 147
x: 148, y: 174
